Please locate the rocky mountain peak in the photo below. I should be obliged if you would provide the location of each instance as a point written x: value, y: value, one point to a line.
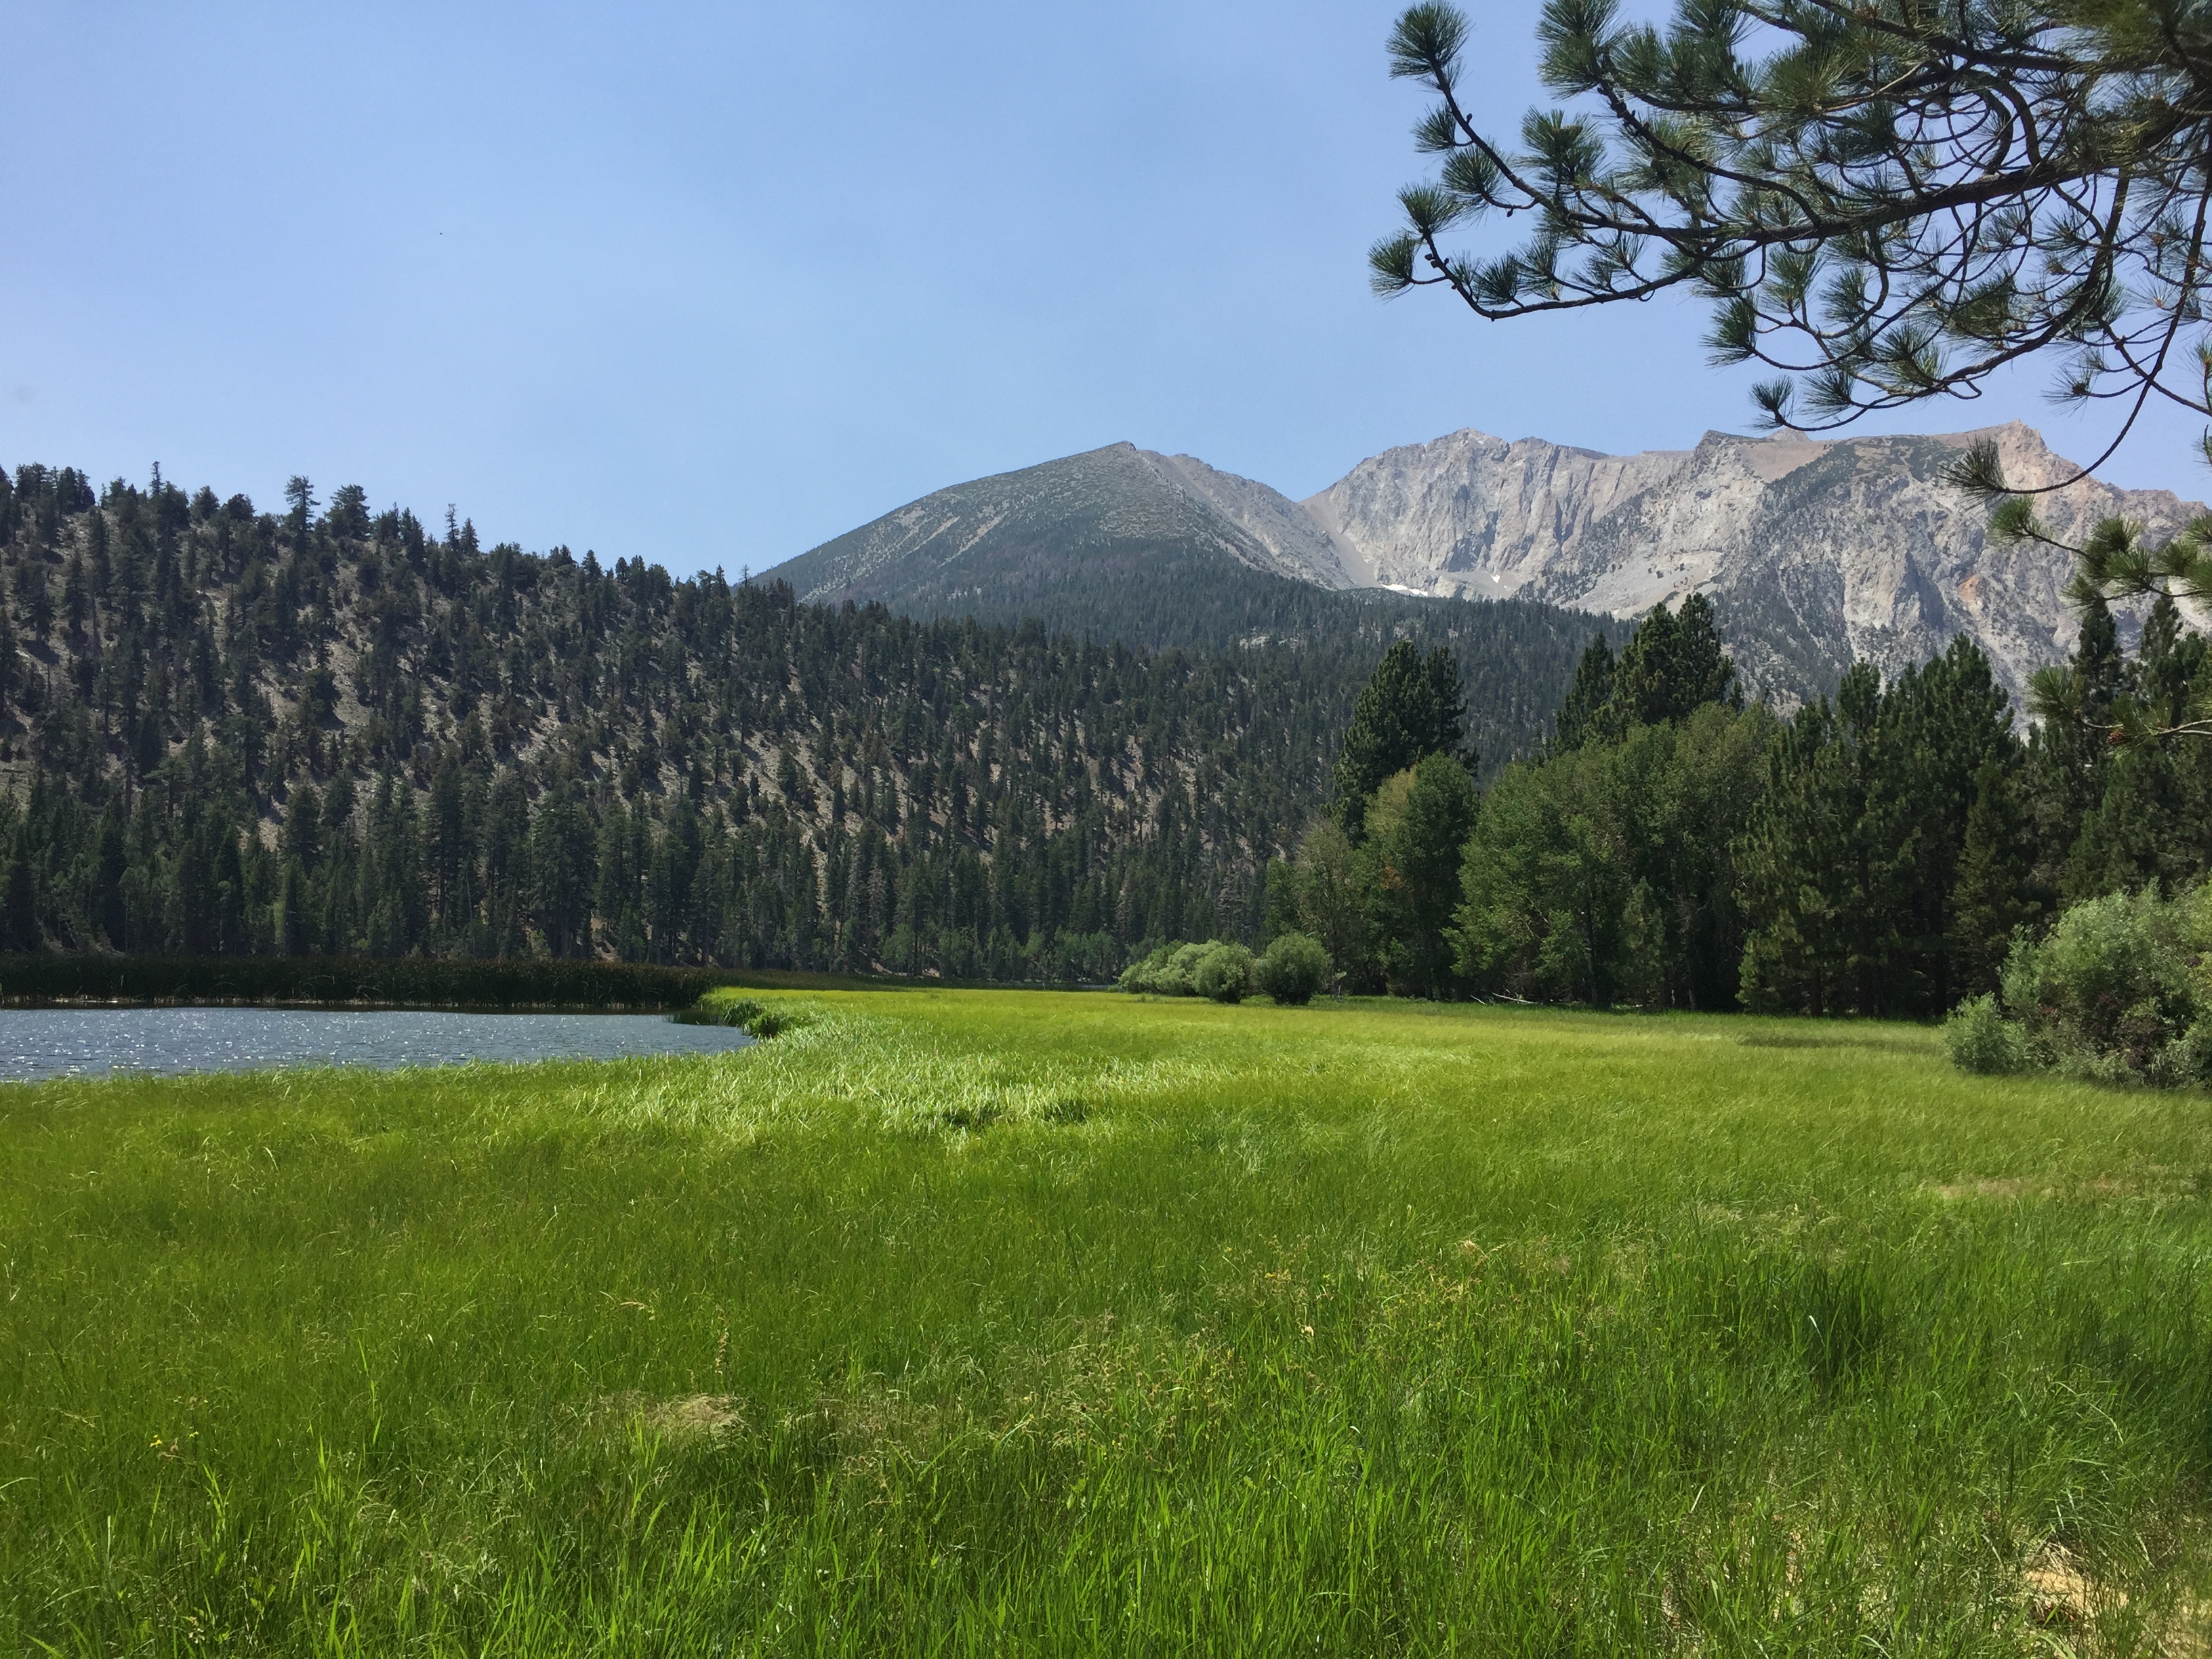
x: 1816, y: 549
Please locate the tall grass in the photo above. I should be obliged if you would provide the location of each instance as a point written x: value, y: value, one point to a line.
x: 963, y: 1322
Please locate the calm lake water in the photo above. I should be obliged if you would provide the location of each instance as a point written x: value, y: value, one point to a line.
x: 42, y: 1042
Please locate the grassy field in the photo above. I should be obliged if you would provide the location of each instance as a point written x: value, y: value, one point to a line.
x: 1022, y: 1322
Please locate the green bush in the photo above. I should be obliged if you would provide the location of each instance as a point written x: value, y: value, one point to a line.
x: 1180, y: 977
x: 2118, y: 992
x: 1222, y: 973
x: 740, y: 1011
x: 1294, y: 967
x: 1165, y: 972
x: 1979, y: 1038
x: 749, y: 1014
x: 1219, y: 970
x: 2113, y: 992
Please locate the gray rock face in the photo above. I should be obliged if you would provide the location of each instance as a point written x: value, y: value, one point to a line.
x: 1297, y: 545
x: 1816, y: 552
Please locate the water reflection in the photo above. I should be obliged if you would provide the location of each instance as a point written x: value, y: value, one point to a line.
x: 43, y: 1042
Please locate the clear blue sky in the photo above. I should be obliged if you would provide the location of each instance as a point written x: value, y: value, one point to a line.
x: 712, y: 283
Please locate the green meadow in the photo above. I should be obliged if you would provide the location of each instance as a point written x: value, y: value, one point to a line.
x: 1019, y: 1322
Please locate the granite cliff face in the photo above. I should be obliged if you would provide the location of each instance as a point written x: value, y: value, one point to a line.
x: 1815, y: 552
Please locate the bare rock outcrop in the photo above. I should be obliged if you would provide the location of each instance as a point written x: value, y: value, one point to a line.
x: 1816, y: 552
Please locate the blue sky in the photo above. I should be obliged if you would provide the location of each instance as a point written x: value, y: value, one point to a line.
x: 711, y: 283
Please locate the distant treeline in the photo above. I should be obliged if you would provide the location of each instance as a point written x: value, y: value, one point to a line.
x: 1673, y: 849
x: 417, y: 982
x: 333, y: 732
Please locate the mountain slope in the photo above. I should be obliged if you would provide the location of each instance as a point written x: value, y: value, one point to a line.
x: 1816, y: 552
x: 1082, y: 524
x: 225, y: 732
x: 1164, y: 552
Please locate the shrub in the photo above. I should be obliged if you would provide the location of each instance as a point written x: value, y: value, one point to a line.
x: 749, y: 1014
x: 2115, y: 992
x: 1219, y: 970
x: 1979, y: 1038
x: 1179, y: 977
x: 1294, y: 967
x: 1142, y: 974
x: 1165, y: 972
x: 1222, y: 973
x: 740, y: 1011
x: 2111, y: 989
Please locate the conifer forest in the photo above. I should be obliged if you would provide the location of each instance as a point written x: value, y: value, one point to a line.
x: 335, y: 731
x: 332, y: 731
x: 1878, y: 852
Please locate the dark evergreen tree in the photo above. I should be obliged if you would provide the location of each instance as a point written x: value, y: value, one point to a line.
x: 1941, y: 722
x: 1411, y: 708
x: 1851, y: 862
x: 1672, y: 664
x: 19, y: 905
x: 2147, y: 813
x: 1582, y: 716
x: 2070, y: 754
x: 104, y: 896
x: 1992, y: 895
x: 1808, y: 874
x: 562, y: 864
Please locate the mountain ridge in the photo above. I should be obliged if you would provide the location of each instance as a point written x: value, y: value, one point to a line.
x: 1099, y: 503
x: 1816, y: 551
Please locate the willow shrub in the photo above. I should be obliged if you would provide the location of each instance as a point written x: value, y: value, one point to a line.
x: 1217, y: 970
x: 2120, y: 991
x: 1293, y: 969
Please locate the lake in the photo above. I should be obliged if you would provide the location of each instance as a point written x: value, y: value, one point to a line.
x: 45, y: 1042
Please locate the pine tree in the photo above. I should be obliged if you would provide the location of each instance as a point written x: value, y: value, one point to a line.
x: 1672, y: 665
x: 1990, y: 896
x: 1588, y: 700
x: 1803, y: 863
x: 110, y: 864
x: 1942, y: 721
x: 2070, y: 757
x: 2149, y: 820
x: 447, y: 849
x: 1410, y: 709
x: 8, y: 665
x: 563, y: 871
x: 19, y: 909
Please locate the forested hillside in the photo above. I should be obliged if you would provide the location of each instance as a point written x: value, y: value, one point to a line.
x: 1891, y: 852
x: 331, y: 730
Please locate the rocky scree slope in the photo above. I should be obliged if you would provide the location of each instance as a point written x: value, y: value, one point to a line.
x: 1100, y: 513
